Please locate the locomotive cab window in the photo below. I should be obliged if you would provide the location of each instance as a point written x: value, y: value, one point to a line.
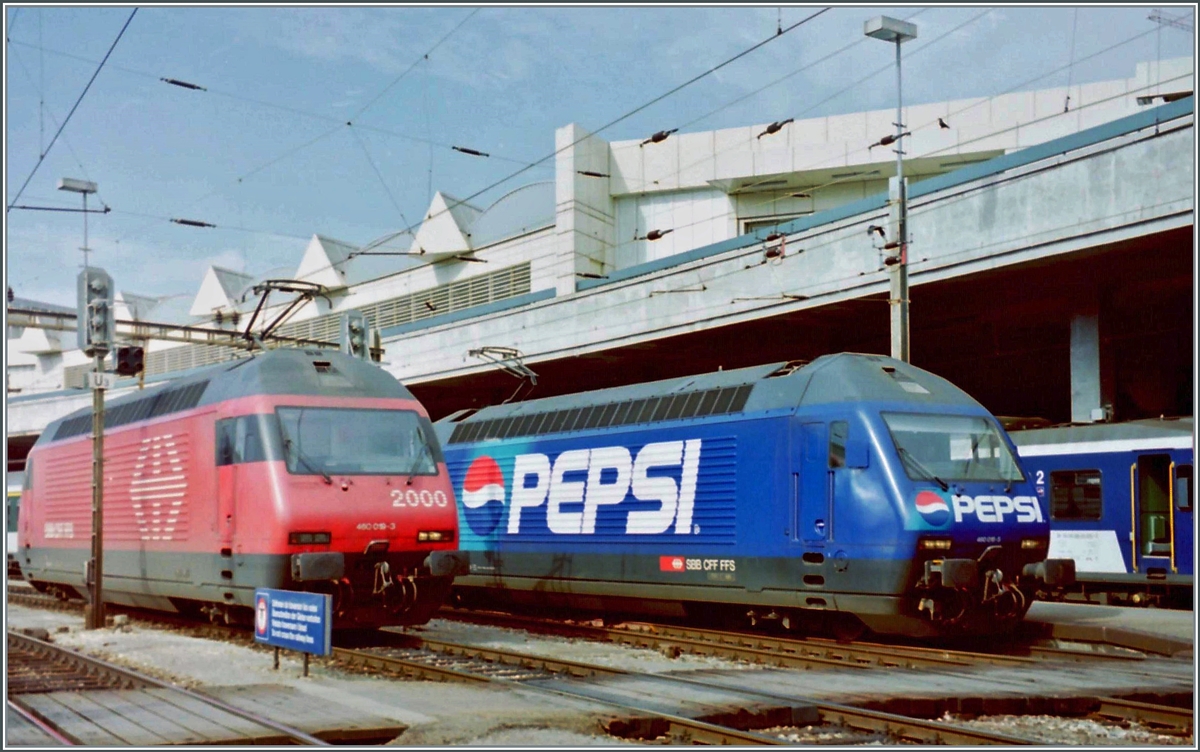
x: 1183, y: 488
x: 838, y: 432
x: 951, y: 448
x: 317, y: 441
x: 1076, y: 495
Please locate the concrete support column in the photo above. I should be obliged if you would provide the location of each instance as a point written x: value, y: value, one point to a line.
x: 585, y: 219
x: 1091, y: 371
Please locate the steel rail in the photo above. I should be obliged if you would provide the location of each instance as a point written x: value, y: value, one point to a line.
x: 41, y: 600
x: 42, y: 726
x: 780, y: 651
x: 789, y: 651
x: 913, y: 729
x: 1176, y: 719
x: 686, y: 729
x: 902, y: 727
x: 135, y: 679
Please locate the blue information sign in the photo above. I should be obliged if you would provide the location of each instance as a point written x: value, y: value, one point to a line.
x: 293, y: 620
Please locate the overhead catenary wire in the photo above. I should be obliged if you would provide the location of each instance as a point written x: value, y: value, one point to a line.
x: 75, y: 106
x: 414, y: 64
x: 913, y: 213
x: 785, y: 77
x: 54, y: 121
x: 321, y: 136
x: 847, y: 89
x: 378, y: 174
x: 952, y: 115
x: 1071, y: 60
x: 380, y: 241
x: 432, y: 142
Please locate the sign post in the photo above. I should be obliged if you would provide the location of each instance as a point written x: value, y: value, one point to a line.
x: 294, y: 620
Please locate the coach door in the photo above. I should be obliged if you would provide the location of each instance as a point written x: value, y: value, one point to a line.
x: 812, y: 507
x: 1153, y: 534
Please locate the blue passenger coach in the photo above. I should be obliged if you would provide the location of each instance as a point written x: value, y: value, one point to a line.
x: 856, y: 487
x: 1120, y: 502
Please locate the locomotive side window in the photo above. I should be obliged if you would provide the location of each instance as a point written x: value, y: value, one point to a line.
x: 225, y: 452
x: 838, y: 431
x: 1075, y: 495
x: 1183, y: 488
x: 318, y: 441
x: 245, y: 439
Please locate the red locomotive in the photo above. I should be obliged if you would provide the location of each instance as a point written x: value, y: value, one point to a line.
x: 295, y: 469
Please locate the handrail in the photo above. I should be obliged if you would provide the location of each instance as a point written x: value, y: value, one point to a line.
x: 1133, y: 520
x: 1171, y: 512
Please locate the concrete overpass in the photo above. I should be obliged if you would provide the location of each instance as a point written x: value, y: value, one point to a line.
x: 1033, y: 275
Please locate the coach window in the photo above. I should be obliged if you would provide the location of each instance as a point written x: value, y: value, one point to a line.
x: 1183, y: 488
x: 838, y: 431
x: 1075, y: 495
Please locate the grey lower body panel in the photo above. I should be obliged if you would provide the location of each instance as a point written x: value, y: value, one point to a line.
x: 877, y: 591
x: 167, y: 581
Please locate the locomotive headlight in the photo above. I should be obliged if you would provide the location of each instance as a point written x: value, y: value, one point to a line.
x: 1030, y: 543
x: 435, y: 536
x: 935, y: 544
x: 299, y: 539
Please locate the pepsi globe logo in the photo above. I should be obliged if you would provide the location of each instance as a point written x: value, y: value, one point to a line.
x: 933, y: 508
x: 483, y: 495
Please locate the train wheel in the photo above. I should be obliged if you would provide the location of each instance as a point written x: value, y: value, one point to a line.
x: 848, y: 628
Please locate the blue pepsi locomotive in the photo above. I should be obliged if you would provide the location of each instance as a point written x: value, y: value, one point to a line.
x: 853, y: 490
x: 1120, y: 502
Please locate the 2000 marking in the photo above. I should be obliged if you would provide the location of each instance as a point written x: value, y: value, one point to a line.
x: 414, y: 498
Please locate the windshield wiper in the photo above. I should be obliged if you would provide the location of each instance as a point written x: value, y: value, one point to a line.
x: 908, y: 457
x: 288, y: 445
x: 423, y: 456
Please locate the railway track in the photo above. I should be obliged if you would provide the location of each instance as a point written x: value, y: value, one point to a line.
x: 37, y: 667
x: 432, y: 659
x: 785, y: 652
x: 447, y: 661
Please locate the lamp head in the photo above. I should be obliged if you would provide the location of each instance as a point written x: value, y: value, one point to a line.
x: 890, y: 29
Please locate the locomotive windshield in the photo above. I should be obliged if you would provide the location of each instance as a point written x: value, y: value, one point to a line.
x: 323, y: 441
x: 951, y: 447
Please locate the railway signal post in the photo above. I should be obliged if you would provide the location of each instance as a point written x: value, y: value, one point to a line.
x: 95, y: 333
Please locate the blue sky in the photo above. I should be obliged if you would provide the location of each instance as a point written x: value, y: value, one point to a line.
x: 501, y: 83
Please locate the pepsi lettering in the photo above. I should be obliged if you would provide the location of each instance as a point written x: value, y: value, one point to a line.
x: 987, y: 509
x: 996, y: 508
x: 594, y: 478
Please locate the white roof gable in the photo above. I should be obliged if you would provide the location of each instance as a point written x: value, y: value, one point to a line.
x: 219, y: 291
x: 444, y: 231
x: 324, y: 262
x: 134, y: 306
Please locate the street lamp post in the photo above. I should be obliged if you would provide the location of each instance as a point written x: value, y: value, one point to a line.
x: 894, y: 30
x: 94, y: 323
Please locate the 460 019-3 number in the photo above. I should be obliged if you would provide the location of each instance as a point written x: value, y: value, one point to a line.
x: 415, y: 498
x: 375, y: 526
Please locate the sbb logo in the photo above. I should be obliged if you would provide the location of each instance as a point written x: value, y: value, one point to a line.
x: 598, y: 477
